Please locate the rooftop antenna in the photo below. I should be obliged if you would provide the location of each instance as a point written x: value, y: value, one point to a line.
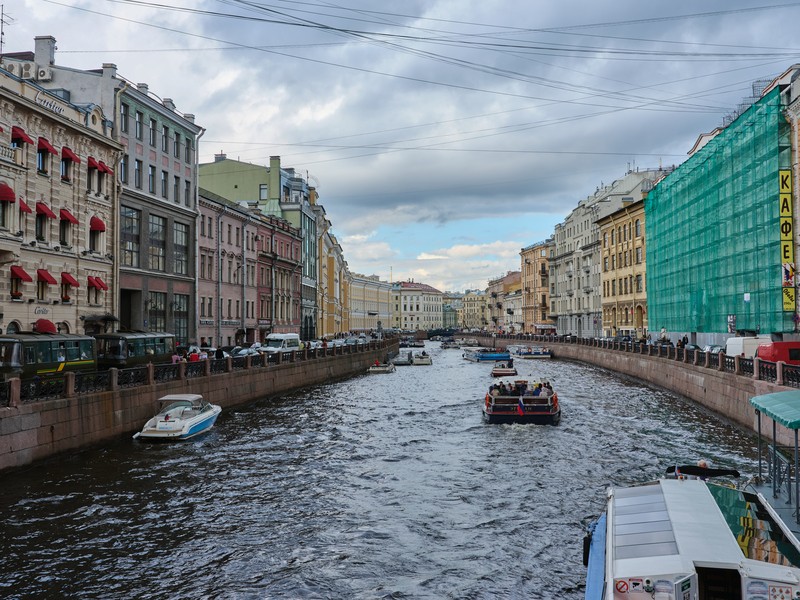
x: 4, y: 20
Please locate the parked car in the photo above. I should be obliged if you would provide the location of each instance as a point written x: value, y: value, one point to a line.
x: 694, y: 347
x: 713, y: 348
x: 353, y: 341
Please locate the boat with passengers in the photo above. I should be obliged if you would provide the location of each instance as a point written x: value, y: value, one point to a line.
x: 529, y: 352
x: 486, y: 355
x: 684, y: 537
x: 521, y: 400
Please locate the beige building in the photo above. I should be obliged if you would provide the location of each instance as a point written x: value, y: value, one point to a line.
x: 57, y: 225
x: 474, y: 310
x: 333, y: 286
x: 370, y: 303
x: 535, y: 264
x: 500, y: 320
x: 622, y: 238
x: 416, y: 306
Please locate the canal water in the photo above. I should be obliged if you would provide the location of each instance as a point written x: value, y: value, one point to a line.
x: 381, y: 486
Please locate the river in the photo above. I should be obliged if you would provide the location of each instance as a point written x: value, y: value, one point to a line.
x: 381, y: 486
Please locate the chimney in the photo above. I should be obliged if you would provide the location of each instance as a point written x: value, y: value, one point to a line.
x: 189, y: 117
x: 109, y: 70
x: 168, y: 103
x: 220, y: 157
x: 44, y: 50
x: 143, y: 87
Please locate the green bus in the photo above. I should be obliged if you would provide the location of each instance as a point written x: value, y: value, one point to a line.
x: 29, y: 355
x: 124, y: 349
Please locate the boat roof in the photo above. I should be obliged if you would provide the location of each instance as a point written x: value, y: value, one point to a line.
x: 181, y: 397
x: 514, y: 379
x: 783, y: 407
x: 671, y: 526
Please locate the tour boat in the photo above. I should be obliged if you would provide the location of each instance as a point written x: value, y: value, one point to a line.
x: 182, y: 416
x: 531, y: 352
x: 515, y: 400
x: 382, y: 368
x: 688, y: 538
x: 423, y: 358
x: 504, y: 369
x: 486, y: 355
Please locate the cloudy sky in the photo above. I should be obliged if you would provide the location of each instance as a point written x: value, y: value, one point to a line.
x: 443, y: 135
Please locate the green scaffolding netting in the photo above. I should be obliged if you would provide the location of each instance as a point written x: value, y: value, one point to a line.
x: 713, y: 237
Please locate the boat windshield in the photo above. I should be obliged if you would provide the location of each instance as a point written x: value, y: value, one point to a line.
x: 172, y: 405
x: 757, y: 534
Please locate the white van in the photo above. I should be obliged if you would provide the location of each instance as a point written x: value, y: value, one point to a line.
x: 281, y: 342
x: 745, y: 346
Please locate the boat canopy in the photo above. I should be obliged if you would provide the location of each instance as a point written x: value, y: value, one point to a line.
x: 783, y: 407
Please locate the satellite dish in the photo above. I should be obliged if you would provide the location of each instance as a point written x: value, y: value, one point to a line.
x: 314, y: 181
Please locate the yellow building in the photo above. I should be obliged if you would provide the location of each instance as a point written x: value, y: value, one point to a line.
x: 623, y: 271
x: 536, y: 287
x: 473, y: 312
x: 370, y: 303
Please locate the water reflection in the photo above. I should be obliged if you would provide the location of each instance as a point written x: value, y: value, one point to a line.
x: 383, y: 486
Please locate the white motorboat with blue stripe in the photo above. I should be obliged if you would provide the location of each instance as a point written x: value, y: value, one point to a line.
x: 182, y: 416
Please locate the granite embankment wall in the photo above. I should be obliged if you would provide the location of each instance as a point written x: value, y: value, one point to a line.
x: 33, y: 431
x: 719, y: 388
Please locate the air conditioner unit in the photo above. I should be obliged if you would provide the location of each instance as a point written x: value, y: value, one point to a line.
x: 10, y: 67
x: 44, y: 74
x: 27, y: 70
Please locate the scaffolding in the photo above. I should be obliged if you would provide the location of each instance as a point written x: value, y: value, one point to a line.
x: 713, y: 231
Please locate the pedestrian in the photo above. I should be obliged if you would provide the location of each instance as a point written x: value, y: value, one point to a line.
x: 220, y: 354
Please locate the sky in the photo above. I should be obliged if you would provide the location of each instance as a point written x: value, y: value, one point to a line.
x: 443, y: 136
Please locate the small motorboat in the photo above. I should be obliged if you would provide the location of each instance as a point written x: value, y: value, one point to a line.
x: 423, y: 358
x: 514, y: 400
x: 504, y: 369
x: 182, y: 416
x: 402, y: 360
x: 381, y: 368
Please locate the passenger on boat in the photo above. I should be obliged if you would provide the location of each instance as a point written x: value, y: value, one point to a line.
x: 377, y: 363
x: 537, y: 390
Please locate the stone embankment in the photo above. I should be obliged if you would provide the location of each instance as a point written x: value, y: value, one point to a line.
x: 91, y: 409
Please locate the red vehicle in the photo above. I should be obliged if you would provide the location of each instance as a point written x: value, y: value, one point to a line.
x: 787, y: 352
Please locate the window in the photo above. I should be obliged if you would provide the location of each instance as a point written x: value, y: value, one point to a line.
x: 41, y: 228
x: 124, y: 112
x: 130, y: 224
x: 123, y: 168
x: 176, y: 146
x: 203, y: 266
x: 164, y: 184
x: 181, y: 317
x: 153, y: 132
x: 137, y: 173
x: 187, y: 193
x: 157, y: 311
x: 181, y: 248
x: 639, y: 283
x: 210, y: 228
x: 139, y: 124
x: 151, y: 179
x: 66, y: 169
x: 43, y: 160
x: 176, y: 189
x: 262, y: 192
x: 639, y: 256
x: 158, y: 243
x: 638, y: 226
x: 165, y: 139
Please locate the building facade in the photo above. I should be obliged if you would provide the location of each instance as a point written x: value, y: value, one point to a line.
x: 56, y: 211
x: 370, y: 303
x: 474, y: 313
x: 417, y: 306
x: 535, y: 269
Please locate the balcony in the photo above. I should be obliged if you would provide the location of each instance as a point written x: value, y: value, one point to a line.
x: 570, y: 293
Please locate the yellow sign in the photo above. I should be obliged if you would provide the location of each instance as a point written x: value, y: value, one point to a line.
x: 789, y: 298
x: 785, y: 177
x: 786, y: 205
x: 787, y: 251
x: 786, y: 223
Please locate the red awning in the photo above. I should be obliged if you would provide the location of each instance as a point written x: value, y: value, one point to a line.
x: 93, y: 282
x: 105, y: 168
x: 69, y: 279
x: 67, y: 216
x: 96, y: 224
x: 69, y: 155
x: 44, y: 275
x: 43, y: 209
x: 45, y: 145
x: 18, y: 134
x: 7, y: 193
x: 92, y: 163
x: 19, y: 273
x: 44, y: 326
x: 101, y: 284
x: 23, y: 206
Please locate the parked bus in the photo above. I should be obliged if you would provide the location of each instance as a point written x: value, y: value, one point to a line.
x: 124, y: 349
x: 29, y: 355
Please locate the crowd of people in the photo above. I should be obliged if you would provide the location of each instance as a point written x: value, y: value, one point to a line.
x: 520, y: 388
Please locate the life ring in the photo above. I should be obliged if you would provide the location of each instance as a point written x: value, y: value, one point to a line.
x: 488, y: 399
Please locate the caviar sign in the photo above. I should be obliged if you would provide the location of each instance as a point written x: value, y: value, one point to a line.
x: 787, y: 240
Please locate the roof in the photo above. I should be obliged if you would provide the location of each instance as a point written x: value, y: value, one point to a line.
x: 783, y: 407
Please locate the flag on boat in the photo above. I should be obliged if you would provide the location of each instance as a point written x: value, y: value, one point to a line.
x: 521, y: 406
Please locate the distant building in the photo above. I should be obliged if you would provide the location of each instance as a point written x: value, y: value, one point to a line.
x: 417, y: 306
x: 500, y: 320
x: 370, y: 303
x: 474, y: 313
x: 535, y: 266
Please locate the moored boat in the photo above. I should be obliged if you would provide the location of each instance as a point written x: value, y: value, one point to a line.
x: 515, y: 400
x: 486, y: 355
x: 382, y: 368
x: 688, y: 538
x: 528, y: 352
x: 181, y: 416
x: 401, y: 360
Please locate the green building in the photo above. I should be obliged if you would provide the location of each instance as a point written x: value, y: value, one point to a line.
x: 720, y: 249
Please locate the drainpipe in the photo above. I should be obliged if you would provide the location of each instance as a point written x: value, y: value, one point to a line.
x: 196, y: 282
x: 218, y: 307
